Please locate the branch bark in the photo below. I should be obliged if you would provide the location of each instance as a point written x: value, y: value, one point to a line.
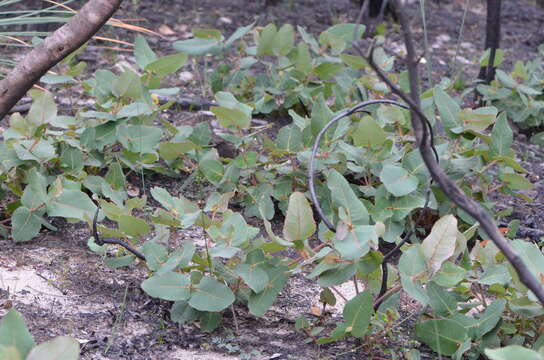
x: 421, y: 132
x: 68, y: 38
x: 492, y: 39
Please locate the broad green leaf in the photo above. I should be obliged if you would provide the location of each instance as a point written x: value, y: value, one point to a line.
x: 439, y: 245
x: 502, y: 137
x: 338, y: 37
x: 24, y: 224
x: 209, y: 321
x: 516, y: 181
x: 211, y: 295
x: 495, y: 274
x: 299, y: 221
x: 321, y: 115
x: 139, y: 138
x: 449, y: 110
x: 168, y: 286
x: 181, y: 257
x: 167, y: 65
x: 43, y: 110
x: 231, y: 112
x: 289, y: 138
x: 358, y: 312
x: 327, y: 297
x: 412, y: 267
x: 388, y: 114
x: 491, y: 317
x: 449, y: 275
x: 246, y: 159
x: 284, y: 40
x: 304, y: 59
x: 132, y: 226
x: 355, y: 62
x: 40, y: 150
x: 172, y: 150
x: 155, y: 255
x: 52, y: 79
x: 72, y: 159
x: 353, y: 242
x: 198, y: 47
x: 266, y: 40
x: 182, y: 313
x: 60, y: 348
x: 142, y: 52
x: 328, y: 70
x: 119, y: 261
x: 532, y: 256
x: 98, y: 137
x: 337, y: 334
x: 397, y: 180
x: 260, y: 302
x: 253, y: 275
x: 127, y: 84
x: 73, y: 204
x: 177, y: 206
x: 212, y: 169
x: 443, y: 336
x: 238, y: 34
x: 442, y: 301
x: 337, y: 275
x: 342, y: 195
x: 9, y: 353
x: 499, y: 56
x: 513, y: 352
x: 228, y: 117
x: 368, y: 133
x: 13, y: 332
x: 479, y: 119
x: 208, y: 34
x: 134, y: 109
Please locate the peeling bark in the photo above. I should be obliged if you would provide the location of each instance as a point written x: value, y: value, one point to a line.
x: 68, y: 38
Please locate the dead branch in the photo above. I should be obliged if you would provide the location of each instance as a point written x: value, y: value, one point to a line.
x: 421, y: 132
x: 68, y: 38
x: 119, y: 242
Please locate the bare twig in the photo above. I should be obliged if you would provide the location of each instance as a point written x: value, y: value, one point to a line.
x: 453, y: 192
x: 119, y: 242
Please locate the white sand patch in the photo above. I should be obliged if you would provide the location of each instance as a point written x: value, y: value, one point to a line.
x: 25, y: 285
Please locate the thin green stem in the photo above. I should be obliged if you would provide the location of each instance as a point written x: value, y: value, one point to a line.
x: 428, y: 55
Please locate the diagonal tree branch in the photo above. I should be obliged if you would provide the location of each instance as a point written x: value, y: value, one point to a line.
x: 68, y: 38
x: 419, y: 124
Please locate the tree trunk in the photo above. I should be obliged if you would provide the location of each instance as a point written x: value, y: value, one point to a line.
x: 88, y: 20
x: 492, y: 39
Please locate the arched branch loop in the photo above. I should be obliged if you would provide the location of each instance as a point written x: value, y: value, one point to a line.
x: 311, y: 172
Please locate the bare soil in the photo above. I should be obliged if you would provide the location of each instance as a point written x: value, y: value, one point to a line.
x: 62, y: 288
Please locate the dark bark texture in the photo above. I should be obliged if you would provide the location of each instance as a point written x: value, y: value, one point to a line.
x: 68, y: 38
x: 492, y: 38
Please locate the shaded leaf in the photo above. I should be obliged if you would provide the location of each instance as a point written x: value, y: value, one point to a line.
x: 439, y: 245
x: 443, y: 336
x: 168, y: 286
x: 13, y: 332
x: 358, y: 312
x: 299, y: 221
x: 60, y: 348
x: 211, y: 295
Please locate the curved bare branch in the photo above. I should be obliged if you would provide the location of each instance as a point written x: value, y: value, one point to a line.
x: 453, y: 192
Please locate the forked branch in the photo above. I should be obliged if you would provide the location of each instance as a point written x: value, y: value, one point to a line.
x: 419, y: 124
